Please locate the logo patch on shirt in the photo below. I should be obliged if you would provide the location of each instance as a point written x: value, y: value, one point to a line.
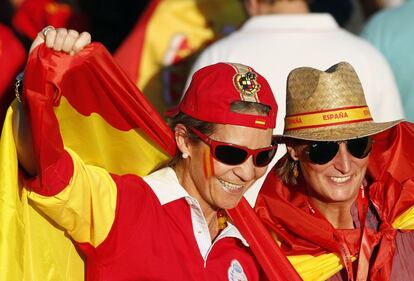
x: 235, y: 272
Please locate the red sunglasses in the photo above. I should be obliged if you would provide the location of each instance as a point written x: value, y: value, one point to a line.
x: 232, y: 154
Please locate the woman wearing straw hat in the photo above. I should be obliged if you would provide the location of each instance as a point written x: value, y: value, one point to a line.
x: 170, y: 224
x: 340, y: 202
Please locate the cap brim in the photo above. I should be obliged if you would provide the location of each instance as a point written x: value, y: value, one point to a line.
x: 172, y: 112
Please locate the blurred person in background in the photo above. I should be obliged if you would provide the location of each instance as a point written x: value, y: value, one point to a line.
x: 370, y: 7
x: 392, y: 32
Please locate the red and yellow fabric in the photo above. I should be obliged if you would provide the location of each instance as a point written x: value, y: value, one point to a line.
x: 159, y: 52
x: 84, y: 205
x: 30, y: 246
x: 103, y: 117
x: 313, y: 246
x: 271, y: 258
x: 12, y: 58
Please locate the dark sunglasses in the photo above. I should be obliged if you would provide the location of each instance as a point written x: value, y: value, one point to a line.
x: 321, y: 152
x: 232, y: 154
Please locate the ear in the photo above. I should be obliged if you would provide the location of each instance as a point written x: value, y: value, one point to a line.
x: 293, y: 153
x: 252, y: 7
x: 181, y: 138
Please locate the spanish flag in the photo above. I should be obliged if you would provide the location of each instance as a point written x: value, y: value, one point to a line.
x: 161, y: 48
x: 105, y: 119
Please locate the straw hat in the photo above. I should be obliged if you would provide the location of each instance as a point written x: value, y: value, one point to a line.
x: 328, y: 105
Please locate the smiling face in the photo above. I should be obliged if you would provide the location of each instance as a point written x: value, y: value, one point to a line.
x: 337, y: 181
x: 217, y: 185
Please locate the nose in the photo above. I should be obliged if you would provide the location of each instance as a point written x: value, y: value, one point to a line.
x: 247, y: 170
x: 342, y: 161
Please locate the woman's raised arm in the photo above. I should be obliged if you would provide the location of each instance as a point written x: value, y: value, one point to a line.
x: 61, y: 40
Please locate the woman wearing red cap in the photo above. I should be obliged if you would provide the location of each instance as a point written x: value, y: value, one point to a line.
x: 170, y: 224
x: 341, y: 201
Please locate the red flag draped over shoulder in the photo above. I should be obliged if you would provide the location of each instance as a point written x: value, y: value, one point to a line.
x: 312, y: 244
x: 105, y: 119
x: 271, y: 258
x: 392, y: 169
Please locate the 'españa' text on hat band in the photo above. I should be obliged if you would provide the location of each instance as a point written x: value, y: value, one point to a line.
x: 327, y: 118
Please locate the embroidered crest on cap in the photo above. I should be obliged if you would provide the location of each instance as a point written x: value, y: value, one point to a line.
x: 236, y: 272
x: 246, y: 83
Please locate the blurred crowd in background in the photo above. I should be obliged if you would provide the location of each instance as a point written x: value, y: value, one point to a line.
x: 156, y: 42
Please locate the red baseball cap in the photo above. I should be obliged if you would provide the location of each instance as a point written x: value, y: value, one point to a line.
x: 214, y: 88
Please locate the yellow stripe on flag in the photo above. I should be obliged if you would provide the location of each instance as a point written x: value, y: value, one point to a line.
x: 105, y: 146
x: 25, y: 233
x: 176, y: 31
x: 315, y: 268
x: 405, y: 220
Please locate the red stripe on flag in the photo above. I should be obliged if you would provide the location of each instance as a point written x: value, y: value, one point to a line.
x: 129, y: 54
x: 271, y: 258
